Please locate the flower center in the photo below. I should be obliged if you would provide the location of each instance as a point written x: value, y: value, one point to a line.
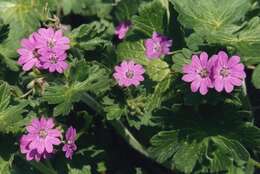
x: 204, y: 73
x: 156, y: 47
x: 42, y: 133
x: 35, y: 54
x: 69, y: 142
x: 129, y: 74
x: 53, y: 59
x: 51, y: 43
x: 224, y: 72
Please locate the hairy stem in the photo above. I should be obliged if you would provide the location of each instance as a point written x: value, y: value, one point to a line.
x: 116, y: 124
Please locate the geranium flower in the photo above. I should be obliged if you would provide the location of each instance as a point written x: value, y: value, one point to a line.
x: 29, y: 56
x: 49, y: 40
x: 129, y: 73
x: 70, y: 146
x: 199, y: 73
x: 43, y: 135
x: 157, y: 46
x: 54, y: 61
x: 228, y: 72
x: 122, y: 29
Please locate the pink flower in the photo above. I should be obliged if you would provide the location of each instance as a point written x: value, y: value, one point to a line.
x: 157, y: 46
x: 70, y: 146
x: 31, y: 154
x: 49, y: 40
x: 228, y: 72
x: 42, y: 136
x: 29, y: 56
x: 122, y: 29
x: 129, y: 73
x: 54, y: 61
x: 199, y: 73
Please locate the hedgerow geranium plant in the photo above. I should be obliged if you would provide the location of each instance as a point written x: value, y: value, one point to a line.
x: 129, y: 86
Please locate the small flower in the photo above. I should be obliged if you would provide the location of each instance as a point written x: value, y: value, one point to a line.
x: 29, y: 56
x: 122, y: 29
x: 228, y: 72
x: 157, y: 46
x: 129, y: 73
x: 70, y: 146
x: 199, y: 73
x: 54, y: 61
x: 49, y: 40
x: 42, y: 135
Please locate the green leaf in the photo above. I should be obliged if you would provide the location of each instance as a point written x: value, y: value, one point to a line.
x: 247, y: 42
x: 158, y: 95
x: 114, y: 111
x: 157, y: 70
x: 85, y: 170
x: 93, y: 35
x: 11, y: 119
x: 151, y: 18
x: 256, y: 77
x: 97, y: 82
x: 132, y: 50
x: 180, y: 59
x: 5, y: 96
x: 4, y: 166
x: 86, y: 7
x: 176, y: 147
x: 126, y: 9
x: 213, y: 19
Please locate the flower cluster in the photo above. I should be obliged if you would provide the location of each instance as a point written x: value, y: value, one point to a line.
x: 219, y: 72
x: 41, y: 138
x: 44, y: 49
x: 128, y: 72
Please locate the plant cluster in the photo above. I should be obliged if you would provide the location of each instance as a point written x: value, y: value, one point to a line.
x: 129, y: 86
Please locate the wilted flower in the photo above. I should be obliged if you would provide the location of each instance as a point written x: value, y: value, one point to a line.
x: 199, y: 73
x: 29, y: 56
x: 122, y: 29
x: 129, y: 73
x: 41, y: 138
x: 157, y: 46
x: 228, y: 72
x: 70, y: 146
x: 54, y: 61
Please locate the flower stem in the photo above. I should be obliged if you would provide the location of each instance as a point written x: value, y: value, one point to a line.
x: 116, y: 124
x: 247, y: 102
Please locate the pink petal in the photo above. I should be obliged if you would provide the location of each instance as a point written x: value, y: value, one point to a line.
x: 189, y: 77
x: 195, y: 85
x: 234, y: 60
x: 228, y: 86
x: 196, y: 62
x: 203, y: 87
x: 204, y: 59
x: 219, y: 85
x: 223, y: 58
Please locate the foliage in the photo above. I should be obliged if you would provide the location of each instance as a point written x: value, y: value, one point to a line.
x: 159, y: 126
